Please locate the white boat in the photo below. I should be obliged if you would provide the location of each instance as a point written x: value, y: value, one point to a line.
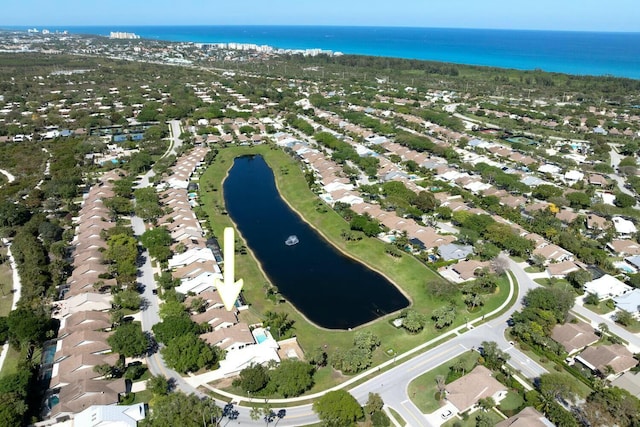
x: 291, y: 240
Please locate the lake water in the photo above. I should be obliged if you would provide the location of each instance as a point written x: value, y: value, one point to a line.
x: 330, y: 289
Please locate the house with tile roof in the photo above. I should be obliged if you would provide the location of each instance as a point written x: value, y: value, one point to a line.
x: 599, y: 358
x: 465, y: 392
x: 574, y: 336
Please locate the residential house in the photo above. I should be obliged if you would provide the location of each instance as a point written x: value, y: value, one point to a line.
x: 454, y: 252
x: 607, y: 286
x: 633, y: 261
x: 553, y: 253
x: 600, y: 358
x: 235, y: 337
x: 561, y: 269
x: 624, y: 247
x: 111, y: 415
x: 191, y: 256
x: 574, y: 336
x: 625, y: 228
x: 629, y: 302
x: 216, y: 318
x: 82, y: 394
x: 463, y: 270
x: 465, y: 392
x: 528, y: 417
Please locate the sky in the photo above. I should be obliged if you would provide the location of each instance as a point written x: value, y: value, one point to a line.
x: 566, y: 15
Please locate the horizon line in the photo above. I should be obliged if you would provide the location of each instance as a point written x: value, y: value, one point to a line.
x: 71, y: 26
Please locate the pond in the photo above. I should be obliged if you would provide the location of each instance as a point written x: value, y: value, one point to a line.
x: 330, y: 289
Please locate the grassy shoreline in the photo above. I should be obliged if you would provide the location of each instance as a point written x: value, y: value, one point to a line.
x: 407, y: 273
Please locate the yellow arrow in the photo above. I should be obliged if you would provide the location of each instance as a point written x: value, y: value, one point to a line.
x: 228, y: 288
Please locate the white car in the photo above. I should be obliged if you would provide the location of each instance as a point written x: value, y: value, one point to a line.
x: 446, y: 414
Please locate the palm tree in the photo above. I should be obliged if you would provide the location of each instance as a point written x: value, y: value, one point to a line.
x: 441, y: 385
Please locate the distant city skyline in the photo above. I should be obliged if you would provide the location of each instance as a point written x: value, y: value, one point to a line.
x: 562, y: 15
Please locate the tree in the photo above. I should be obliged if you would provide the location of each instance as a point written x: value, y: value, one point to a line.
x: 444, y: 316
x: 157, y: 241
x: 591, y: 299
x: 350, y: 361
x: 413, y: 321
x: 158, y: 385
x: 27, y: 327
x: 278, y: 322
x: 174, y: 326
x: 558, y: 386
x: 486, y: 403
x: 129, y: 299
x: 611, y: 406
x: 122, y: 252
x: 441, y: 385
x: 366, y: 340
x: 13, y: 214
x: 579, y: 200
x: 292, y: 377
x: 484, y: 420
x: 189, y: 353
x: 253, y: 378
x: 425, y: 201
x: 556, y: 300
x: 12, y: 409
x: 538, y: 261
x: 494, y: 357
x: 603, y: 328
x: 178, y: 409
x: 317, y: 356
x: 624, y: 200
x: 338, y: 409
x: 374, y: 403
x: 129, y: 340
x: 578, y: 278
x: 623, y: 317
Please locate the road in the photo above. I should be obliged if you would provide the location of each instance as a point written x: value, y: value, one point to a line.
x: 175, y: 130
x: 615, y: 161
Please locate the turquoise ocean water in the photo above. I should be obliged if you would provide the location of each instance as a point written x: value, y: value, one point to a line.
x: 588, y: 53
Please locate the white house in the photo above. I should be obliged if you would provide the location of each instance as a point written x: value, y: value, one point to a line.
x: 607, y: 287
x: 624, y: 227
x: 191, y: 256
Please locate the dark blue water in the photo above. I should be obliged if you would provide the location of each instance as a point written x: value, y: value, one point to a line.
x: 587, y: 53
x: 330, y: 289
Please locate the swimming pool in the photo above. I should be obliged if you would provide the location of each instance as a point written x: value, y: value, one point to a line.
x: 624, y: 267
x: 53, y: 401
x: 261, y: 335
x: 48, y: 353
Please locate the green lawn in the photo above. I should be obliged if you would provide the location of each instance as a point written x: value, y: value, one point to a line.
x: 11, y: 362
x: 409, y: 274
x: 143, y: 396
x: 471, y: 420
x: 6, y: 286
x: 397, y: 417
x: 602, y: 307
x: 423, y: 389
x: 510, y: 404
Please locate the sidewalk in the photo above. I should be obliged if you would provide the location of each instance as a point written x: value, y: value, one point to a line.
x: 17, y: 291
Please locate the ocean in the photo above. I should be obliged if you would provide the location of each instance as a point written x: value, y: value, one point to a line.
x: 580, y: 53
